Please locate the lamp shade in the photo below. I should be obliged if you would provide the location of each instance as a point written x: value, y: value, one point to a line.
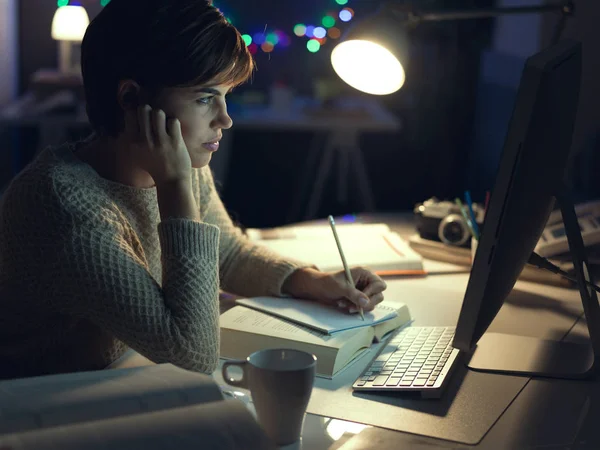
x: 371, y: 57
x: 70, y: 23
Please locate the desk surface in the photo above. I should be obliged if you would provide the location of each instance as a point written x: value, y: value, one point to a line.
x: 544, y: 414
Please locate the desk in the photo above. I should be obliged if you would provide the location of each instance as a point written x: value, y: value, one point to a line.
x: 545, y: 414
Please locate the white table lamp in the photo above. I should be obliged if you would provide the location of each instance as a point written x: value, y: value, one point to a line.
x: 68, y: 27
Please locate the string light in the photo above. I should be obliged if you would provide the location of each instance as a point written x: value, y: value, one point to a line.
x: 319, y: 32
x: 334, y: 33
x: 328, y: 21
x: 346, y: 15
x: 313, y: 46
x: 247, y: 39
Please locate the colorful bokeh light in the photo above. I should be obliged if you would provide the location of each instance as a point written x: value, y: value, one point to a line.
x: 320, y: 32
x: 259, y: 38
x: 341, y: 2
x: 334, y: 33
x: 309, y: 31
x: 267, y: 47
x: 62, y: 3
x: 346, y: 15
x: 328, y: 21
x: 300, y: 29
x: 253, y: 48
x: 272, y: 38
x: 313, y: 46
x: 247, y: 39
x: 104, y: 2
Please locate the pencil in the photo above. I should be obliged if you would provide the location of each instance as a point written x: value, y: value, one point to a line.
x: 346, y: 268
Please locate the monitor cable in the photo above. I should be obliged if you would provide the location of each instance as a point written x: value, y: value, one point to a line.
x: 542, y: 263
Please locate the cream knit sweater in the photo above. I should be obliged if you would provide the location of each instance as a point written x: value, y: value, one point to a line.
x: 87, y: 269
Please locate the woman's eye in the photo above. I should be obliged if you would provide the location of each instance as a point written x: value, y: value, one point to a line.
x: 205, y: 100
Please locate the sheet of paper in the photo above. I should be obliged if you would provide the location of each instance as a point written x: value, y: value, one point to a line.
x: 316, y: 315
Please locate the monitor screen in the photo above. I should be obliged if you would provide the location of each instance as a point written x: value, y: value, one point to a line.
x: 530, y: 173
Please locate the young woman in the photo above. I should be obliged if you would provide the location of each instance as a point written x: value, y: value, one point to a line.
x: 121, y: 241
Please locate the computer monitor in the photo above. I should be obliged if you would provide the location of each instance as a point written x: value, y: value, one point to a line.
x: 529, y: 179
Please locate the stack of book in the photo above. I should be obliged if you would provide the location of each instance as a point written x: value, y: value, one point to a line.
x: 335, y: 337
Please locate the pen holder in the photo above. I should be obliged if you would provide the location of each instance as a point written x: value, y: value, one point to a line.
x: 474, y: 243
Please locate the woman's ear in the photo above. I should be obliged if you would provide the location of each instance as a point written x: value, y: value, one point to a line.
x: 129, y: 95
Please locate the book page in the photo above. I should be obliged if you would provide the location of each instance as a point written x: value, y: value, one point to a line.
x: 55, y: 400
x: 222, y: 425
x: 316, y: 315
x: 252, y: 321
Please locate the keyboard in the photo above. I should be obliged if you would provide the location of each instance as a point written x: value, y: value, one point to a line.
x: 415, y: 359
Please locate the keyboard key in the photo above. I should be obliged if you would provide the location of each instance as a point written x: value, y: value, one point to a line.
x: 405, y: 383
x: 419, y: 383
x: 393, y: 381
x: 386, y: 372
x: 430, y: 383
x: 365, y: 378
x: 408, y: 377
x: 380, y: 380
x: 372, y: 378
x: 361, y: 383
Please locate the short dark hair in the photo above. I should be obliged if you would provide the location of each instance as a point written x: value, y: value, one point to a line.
x: 158, y: 44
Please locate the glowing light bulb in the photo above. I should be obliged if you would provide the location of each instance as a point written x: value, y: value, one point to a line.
x: 368, y: 67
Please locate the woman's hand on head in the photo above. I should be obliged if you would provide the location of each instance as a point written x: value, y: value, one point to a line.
x: 157, y: 144
x: 333, y: 289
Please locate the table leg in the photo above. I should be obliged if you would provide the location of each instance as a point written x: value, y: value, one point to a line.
x: 315, y: 155
x: 364, y: 185
x: 319, y: 184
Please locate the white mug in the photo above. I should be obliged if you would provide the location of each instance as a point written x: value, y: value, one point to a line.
x: 280, y: 382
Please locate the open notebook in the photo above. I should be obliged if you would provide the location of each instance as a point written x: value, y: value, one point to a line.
x: 371, y: 245
x: 318, y: 316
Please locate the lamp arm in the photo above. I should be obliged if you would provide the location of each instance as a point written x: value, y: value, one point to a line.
x: 567, y: 7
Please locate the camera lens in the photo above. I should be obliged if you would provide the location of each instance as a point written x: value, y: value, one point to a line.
x: 453, y: 230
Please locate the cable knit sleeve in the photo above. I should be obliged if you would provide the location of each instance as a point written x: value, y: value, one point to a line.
x: 101, y: 275
x: 245, y: 268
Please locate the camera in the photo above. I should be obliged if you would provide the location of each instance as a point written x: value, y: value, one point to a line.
x: 443, y: 221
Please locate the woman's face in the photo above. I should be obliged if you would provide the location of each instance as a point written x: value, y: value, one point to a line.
x: 202, y: 111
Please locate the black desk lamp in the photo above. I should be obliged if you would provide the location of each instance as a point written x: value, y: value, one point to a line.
x: 373, y: 54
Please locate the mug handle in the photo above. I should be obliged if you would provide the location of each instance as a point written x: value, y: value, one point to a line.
x: 242, y: 381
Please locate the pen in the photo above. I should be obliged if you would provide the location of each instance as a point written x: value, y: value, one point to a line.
x: 474, y: 220
x: 346, y: 269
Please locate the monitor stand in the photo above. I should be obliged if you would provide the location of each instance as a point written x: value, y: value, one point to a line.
x: 519, y: 355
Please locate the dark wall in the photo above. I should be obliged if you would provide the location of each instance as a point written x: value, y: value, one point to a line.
x: 585, y: 164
